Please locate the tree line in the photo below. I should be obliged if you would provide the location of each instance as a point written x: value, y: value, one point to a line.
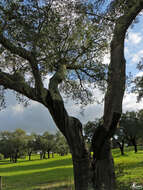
x: 129, y: 130
x: 18, y: 144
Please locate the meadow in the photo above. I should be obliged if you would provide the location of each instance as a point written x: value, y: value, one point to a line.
x: 57, y: 173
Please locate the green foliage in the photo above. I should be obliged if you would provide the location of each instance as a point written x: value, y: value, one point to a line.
x: 1, y: 156
x: 131, y: 125
x: 61, y: 147
x: 90, y: 127
x: 55, y: 33
x: 12, y: 144
x: 15, y: 144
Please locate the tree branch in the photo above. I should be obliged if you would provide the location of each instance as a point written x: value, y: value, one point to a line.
x: 27, y: 55
x: 100, y: 16
x: 116, y: 73
x: 20, y: 86
x: 57, y: 78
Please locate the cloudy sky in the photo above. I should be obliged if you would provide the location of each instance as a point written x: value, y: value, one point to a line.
x: 36, y: 118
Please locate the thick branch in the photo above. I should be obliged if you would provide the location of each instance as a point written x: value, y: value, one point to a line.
x: 57, y: 78
x: 116, y: 74
x: 25, y: 54
x: 13, y: 83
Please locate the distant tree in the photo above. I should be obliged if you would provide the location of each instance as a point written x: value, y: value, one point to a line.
x: 13, y: 144
x: 30, y: 145
x: 90, y: 127
x: 1, y: 156
x: 6, y: 146
x: 40, y: 146
x: 120, y: 139
x: 62, y: 147
x: 50, y: 142
x: 18, y: 141
x: 131, y: 127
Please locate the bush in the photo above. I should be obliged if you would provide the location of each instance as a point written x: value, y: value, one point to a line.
x: 1, y: 156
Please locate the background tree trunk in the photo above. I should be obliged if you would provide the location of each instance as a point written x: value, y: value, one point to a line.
x: 135, y: 145
x: 121, y: 146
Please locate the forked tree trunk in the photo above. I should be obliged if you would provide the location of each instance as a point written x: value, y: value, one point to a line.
x: 104, y: 177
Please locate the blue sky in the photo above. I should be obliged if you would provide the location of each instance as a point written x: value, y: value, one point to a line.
x: 134, y: 46
x: 36, y: 118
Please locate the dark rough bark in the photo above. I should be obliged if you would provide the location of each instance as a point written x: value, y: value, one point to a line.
x: 113, y: 100
x: 103, y: 166
x: 81, y: 172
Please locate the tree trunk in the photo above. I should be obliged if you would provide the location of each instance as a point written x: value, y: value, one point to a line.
x: 135, y: 148
x: 48, y: 154
x: 41, y: 155
x: 103, y: 165
x: 44, y: 155
x: 81, y: 168
x: 122, y: 150
x: 135, y: 145
x: 29, y: 154
x: 80, y: 155
x: 121, y: 146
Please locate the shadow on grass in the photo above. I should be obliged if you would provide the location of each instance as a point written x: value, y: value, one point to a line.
x: 41, y: 165
x: 27, y: 181
x: 122, y: 186
x: 131, y: 165
x: 56, y: 186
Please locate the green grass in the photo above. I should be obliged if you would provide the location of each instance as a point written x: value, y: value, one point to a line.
x: 30, y: 175
x: 129, y: 168
x: 57, y: 173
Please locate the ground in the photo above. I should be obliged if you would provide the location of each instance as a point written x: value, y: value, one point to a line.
x: 57, y: 173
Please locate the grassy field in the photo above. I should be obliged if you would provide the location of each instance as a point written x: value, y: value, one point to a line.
x: 57, y: 173
x: 129, y: 168
x: 31, y: 175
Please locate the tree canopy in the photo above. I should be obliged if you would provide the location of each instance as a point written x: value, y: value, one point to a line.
x: 40, y: 38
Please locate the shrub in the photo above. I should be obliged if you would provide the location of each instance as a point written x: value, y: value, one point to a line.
x: 1, y: 156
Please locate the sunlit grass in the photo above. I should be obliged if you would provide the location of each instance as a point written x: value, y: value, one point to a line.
x: 129, y: 168
x: 57, y: 173
x: 17, y: 176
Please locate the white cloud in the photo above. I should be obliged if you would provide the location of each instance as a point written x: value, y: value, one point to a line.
x: 139, y: 74
x: 137, y: 57
x: 134, y: 38
x: 18, y: 108
x: 130, y: 103
x: 106, y: 59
